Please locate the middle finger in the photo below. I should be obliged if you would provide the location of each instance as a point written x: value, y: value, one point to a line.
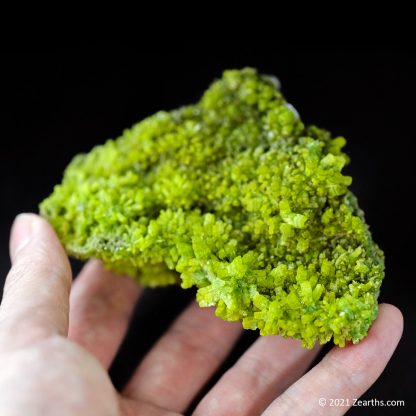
x: 264, y: 371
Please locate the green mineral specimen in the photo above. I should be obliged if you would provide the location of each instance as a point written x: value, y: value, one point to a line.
x: 233, y: 195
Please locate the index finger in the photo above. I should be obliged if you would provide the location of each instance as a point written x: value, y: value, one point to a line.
x: 345, y: 373
x: 36, y: 292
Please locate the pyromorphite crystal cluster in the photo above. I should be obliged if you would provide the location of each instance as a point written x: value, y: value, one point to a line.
x: 233, y: 195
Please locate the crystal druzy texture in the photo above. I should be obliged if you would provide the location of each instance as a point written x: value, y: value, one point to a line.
x: 236, y: 196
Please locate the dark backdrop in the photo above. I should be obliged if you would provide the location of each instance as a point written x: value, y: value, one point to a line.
x: 61, y: 101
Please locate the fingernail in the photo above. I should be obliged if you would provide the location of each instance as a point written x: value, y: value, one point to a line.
x: 22, y: 232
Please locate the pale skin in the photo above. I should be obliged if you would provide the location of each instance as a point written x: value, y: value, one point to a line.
x: 58, y: 339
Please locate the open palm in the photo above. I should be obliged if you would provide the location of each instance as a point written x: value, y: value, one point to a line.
x: 57, y: 343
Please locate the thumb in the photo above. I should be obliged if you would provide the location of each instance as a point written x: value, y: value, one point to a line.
x: 36, y: 291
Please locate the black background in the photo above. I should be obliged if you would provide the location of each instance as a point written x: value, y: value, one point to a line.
x: 62, y: 101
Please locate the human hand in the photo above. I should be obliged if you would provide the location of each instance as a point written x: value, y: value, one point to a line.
x: 57, y: 343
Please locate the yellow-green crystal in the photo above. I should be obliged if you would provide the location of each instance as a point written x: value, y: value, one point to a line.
x: 233, y: 195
